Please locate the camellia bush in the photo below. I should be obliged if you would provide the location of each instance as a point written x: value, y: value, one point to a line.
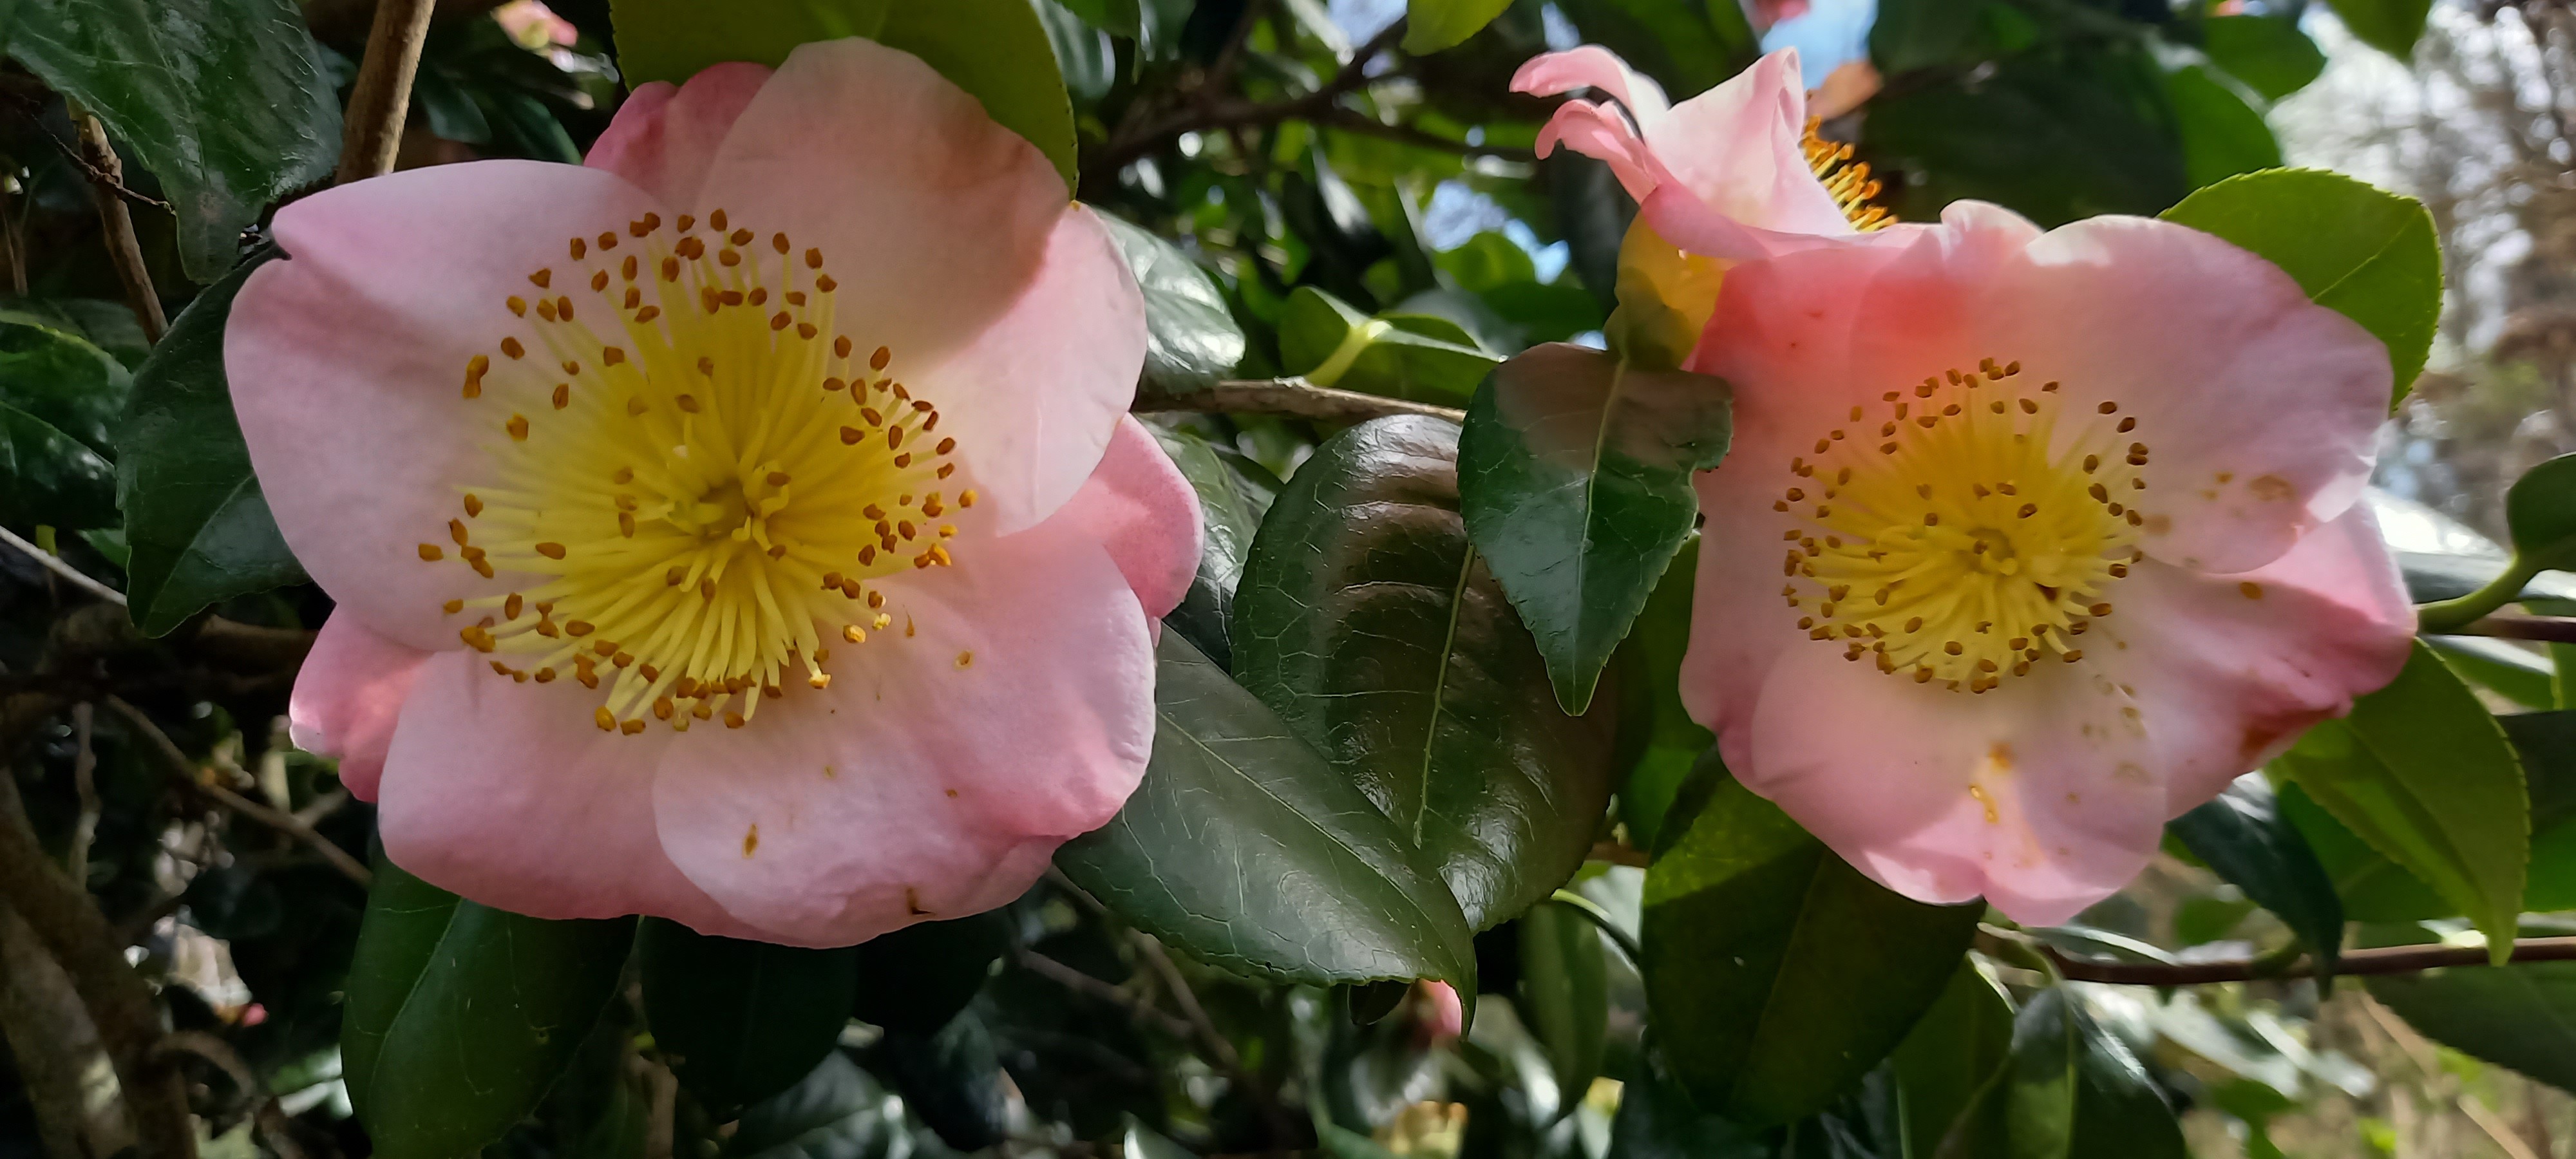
x: 847, y: 579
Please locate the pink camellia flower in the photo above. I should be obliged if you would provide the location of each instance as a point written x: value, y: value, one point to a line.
x: 744, y: 528
x: 2029, y: 542
x: 1734, y: 173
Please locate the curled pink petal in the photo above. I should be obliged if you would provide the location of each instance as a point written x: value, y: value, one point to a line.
x: 665, y: 137
x: 1145, y: 512
x: 1592, y: 66
x: 347, y: 697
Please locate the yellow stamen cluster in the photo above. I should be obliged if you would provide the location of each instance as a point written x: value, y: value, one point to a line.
x: 701, y: 488
x: 1853, y: 189
x: 1965, y: 533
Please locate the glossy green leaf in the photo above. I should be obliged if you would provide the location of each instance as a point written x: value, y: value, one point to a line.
x: 2540, y: 511
x: 1192, y: 339
x: 195, y: 520
x: 1658, y: 1120
x: 1234, y: 493
x: 223, y: 100
x: 1368, y: 621
x: 48, y: 477
x: 2522, y: 1016
x: 996, y: 50
x: 1439, y: 24
x: 1958, y: 1046
x: 1913, y: 34
x: 110, y: 326
x: 835, y: 1112
x: 2078, y: 130
x: 952, y: 1080
x: 1412, y: 357
x: 2268, y: 53
x: 740, y: 1021
x: 2243, y: 837
x: 1659, y: 743
x: 1082, y: 52
x: 2073, y: 1091
x: 918, y: 977
x: 2365, y: 253
x: 64, y: 381
x: 1574, y: 475
x: 2423, y: 773
x: 459, y: 1016
x: 2524, y: 677
x: 1245, y: 849
x: 2391, y: 26
x: 2376, y: 889
x: 1766, y: 1013
x: 2222, y: 135
x: 1688, y: 47
x: 1565, y: 992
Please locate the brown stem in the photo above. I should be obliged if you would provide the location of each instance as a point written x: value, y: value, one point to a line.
x: 107, y: 180
x: 2372, y: 961
x: 1290, y: 397
x: 278, y: 819
x: 120, y: 1003
x: 1619, y: 854
x: 1084, y: 984
x: 380, y: 101
x: 1220, y: 1050
x: 48, y: 1034
x: 84, y: 783
x: 1213, y: 114
x: 2514, y: 626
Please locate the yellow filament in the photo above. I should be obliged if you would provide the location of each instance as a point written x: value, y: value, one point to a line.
x: 1853, y: 189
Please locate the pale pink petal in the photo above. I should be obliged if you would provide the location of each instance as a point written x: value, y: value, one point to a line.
x: 2187, y: 332
x: 2230, y: 669
x: 2041, y: 795
x: 665, y: 138
x: 956, y: 247
x: 347, y: 360
x: 1601, y: 133
x: 347, y: 696
x: 1140, y: 507
x: 506, y: 794
x: 1009, y: 707
x: 1592, y: 66
x: 1739, y: 148
x: 1769, y: 12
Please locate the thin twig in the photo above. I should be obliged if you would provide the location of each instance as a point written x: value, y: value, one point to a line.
x: 2370, y: 961
x: 107, y: 181
x: 284, y: 822
x: 52, y: 563
x: 1204, y: 115
x: 1358, y: 122
x: 1617, y: 853
x: 85, y: 784
x: 1084, y: 984
x: 1292, y: 398
x: 1220, y: 1050
x: 2513, y: 626
x: 380, y: 101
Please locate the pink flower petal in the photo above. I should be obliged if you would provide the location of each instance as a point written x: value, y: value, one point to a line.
x: 1010, y: 707
x: 347, y: 697
x: 2232, y: 668
x: 1599, y: 132
x: 508, y: 795
x: 1739, y: 146
x: 956, y: 247
x: 347, y: 360
x: 1140, y: 506
x: 665, y: 138
x: 1592, y: 66
x: 2182, y: 330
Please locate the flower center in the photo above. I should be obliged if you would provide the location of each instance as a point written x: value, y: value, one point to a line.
x: 1848, y: 180
x: 1973, y: 537
x: 701, y: 491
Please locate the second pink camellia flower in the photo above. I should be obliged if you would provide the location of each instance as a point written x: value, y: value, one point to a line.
x: 2031, y: 541
x: 744, y: 528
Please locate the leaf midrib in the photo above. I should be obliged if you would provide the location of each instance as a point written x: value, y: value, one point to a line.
x: 1440, y: 693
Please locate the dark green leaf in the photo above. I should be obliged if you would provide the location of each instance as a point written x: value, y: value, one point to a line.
x: 952, y: 1079
x: 1416, y: 357
x: 2424, y: 774
x: 918, y: 977
x: 996, y: 50
x: 110, y: 326
x: 1439, y: 24
x: 48, y: 477
x: 2075, y: 1092
x: 2391, y: 26
x: 1658, y: 1120
x: 1565, y: 993
x: 1082, y: 52
x: 195, y: 520
x: 2365, y: 253
x: 837, y: 1112
x: 1767, y: 1014
x: 1373, y: 627
x: 2524, y: 677
x: 1574, y: 475
x: 1958, y: 1046
x: 2268, y: 53
x: 223, y: 100
x: 1245, y: 849
x: 2540, y: 511
x: 1192, y: 339
x: 2056, y: 136
x: 62, y: 380
x: 460, y: 1015
x: 1686, y: 47
x: 2244, y: 838
x: 2222, y: 135
x: 1912, y: 34
x: 741, y: 1020
x: 1659, y: 743
x: 1234, y: 493
x: 2522, y: 1016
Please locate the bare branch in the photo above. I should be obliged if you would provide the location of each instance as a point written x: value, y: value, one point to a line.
x: 54, y: 564
x: 380, y: 101
x: 84, y: 783
x: 1292, y: 398
x: 284, y: 822
x: 106, y: 188
x: 2371, y: 961
x: 2513, y: 626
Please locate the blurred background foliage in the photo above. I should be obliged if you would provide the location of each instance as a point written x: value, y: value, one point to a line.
x: 1307, y: 177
